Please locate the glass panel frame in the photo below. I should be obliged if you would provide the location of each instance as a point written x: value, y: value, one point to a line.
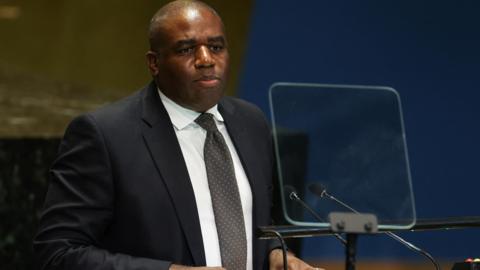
x: 302, y: 111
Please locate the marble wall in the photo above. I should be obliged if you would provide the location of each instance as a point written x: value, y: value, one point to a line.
x: 23, y: 178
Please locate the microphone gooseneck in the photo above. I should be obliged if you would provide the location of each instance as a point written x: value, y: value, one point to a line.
x: 320, y: 191
x: 294, y: 197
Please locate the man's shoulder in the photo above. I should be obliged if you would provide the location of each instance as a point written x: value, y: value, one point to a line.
x: 236, y: 110
x: 237, y: 105
x: 115, y: 116
x: 120, y: 108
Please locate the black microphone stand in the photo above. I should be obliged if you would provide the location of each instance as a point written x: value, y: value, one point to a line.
x: 352, y: 224
x: 321, y: 192
x: 351, y: 251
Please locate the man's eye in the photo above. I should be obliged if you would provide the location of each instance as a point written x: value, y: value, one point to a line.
x: 216, y: 48
x: 185, y: 50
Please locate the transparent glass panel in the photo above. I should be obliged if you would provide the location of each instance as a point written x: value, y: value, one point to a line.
x: 348, y: 141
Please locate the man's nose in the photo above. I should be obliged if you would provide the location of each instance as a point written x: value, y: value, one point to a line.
x: 203, y: 58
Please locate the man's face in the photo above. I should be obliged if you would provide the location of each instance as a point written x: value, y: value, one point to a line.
x: 191, y: 64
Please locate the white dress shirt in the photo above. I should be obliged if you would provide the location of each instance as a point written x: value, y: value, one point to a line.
x: 191, y: 138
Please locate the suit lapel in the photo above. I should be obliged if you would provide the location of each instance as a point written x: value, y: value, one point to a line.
x: 162, y: 142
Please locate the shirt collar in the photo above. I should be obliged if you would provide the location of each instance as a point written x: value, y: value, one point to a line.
x: 182, y: 117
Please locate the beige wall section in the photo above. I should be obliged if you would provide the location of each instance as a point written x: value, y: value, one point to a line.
x: 59, y: 58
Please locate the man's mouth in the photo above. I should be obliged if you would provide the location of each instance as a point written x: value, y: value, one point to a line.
x: 208, y: 81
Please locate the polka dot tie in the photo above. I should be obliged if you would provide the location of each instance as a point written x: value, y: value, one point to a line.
x: 227, y: 206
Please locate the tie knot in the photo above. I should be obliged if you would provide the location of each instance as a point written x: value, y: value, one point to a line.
x: 206, y: 121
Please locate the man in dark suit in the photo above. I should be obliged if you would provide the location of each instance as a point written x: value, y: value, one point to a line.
x: 129, y: 189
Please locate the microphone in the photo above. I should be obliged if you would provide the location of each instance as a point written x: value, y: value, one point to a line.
x: 294, y: 197
x: 321, y: 192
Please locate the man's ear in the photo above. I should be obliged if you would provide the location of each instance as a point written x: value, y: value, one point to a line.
x: 152, y: 62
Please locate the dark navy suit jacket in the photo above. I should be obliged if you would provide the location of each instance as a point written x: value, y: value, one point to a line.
x: 120, y: 196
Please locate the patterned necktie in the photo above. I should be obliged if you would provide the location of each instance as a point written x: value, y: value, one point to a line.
x: 227, y: 206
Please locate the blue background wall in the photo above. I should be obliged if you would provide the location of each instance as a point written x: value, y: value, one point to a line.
x: 429, y: 51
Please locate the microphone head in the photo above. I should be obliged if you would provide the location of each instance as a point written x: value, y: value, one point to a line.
x: 317, y: 189
x: 291, y: 191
